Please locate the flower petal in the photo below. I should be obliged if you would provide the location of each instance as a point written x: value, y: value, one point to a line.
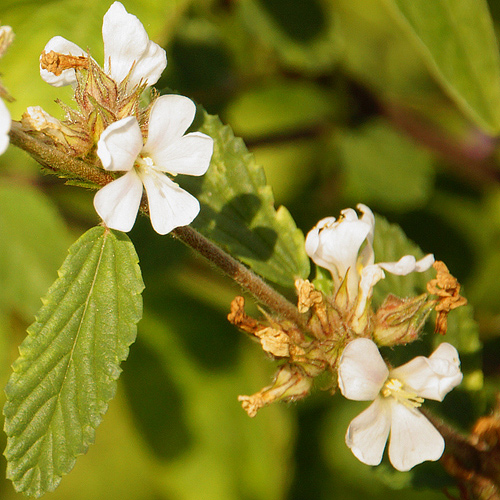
x: 433, y: 377
x: 408, y: 264
x: 413, y: 438
x: 370, y: 276
x: 169, y: 205
x: 117, y: 203
x: 60, y: 45
x: 120, y: 144
x: 334, y: 245
x: 367, y: 256
x: 368, y: 432
x: 313, y: 240
x: 362, y: 371
x: 128, y: 49
x: 189, y: 155
x: 171, y: 115
x: 5, y: 123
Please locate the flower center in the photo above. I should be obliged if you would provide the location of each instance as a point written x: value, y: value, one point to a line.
x: 145, y: 163
x: 394, y: 388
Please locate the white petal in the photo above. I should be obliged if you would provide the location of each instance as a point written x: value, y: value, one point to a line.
x: 433, y: 377
x: 127, y: 47
x: 424, y: 263
x: 370, y: 276
x: 5, y: 123
x: 171, y: 115
x: 61, y: 46
x: 169, y: 205
x: 367, y: 255
x: 117, y: 203
x: 189, y: 155
x: 336, y: 246
x: 367, y: 433
x: 362, y: 371
x: 413, y: 438
x: 313, y: 240
x: 408, y: 264
x: 120, y: 144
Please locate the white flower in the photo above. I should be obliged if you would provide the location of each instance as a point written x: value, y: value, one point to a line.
x: 396, y: 394
x: 345, y: 248
x: 5, y: 123
x: 167, y: 149
x: 127, y: 51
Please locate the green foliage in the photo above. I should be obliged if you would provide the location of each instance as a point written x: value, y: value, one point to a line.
x: 457, y: 42
x: 415, y: 46
x: 382, y: 167
x: 300, y: 32
x: 238, y: 211
x: 208, y: 432
x: 279, y: 107
x: 385, y: 102
x: 70, y: 361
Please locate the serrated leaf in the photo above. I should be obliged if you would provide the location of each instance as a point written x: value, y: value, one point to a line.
x: 238, y: 210
x: 70, y: 361
x: 457, y: 41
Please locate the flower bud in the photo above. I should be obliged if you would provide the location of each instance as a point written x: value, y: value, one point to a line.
x: 399, y: 321
x: 290, y: 384
x: 36, y: 120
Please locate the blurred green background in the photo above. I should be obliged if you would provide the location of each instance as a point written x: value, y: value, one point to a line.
x: 341, y: 102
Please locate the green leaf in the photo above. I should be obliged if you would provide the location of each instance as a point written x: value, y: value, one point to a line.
x: 458, y: 44
x: 238, y: 211
x: 70, y: 361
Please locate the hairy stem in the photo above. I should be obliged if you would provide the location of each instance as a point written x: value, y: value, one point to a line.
x: 240, y: 273
x: 58, y: 161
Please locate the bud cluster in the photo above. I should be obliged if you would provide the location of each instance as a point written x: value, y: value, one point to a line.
x: 331, y: 322
x: 100, y: 101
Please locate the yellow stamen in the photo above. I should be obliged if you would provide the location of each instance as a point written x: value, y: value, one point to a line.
x: 394, y: 388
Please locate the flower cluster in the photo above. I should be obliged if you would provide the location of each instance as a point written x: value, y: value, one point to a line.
x: 337, y: 333
x: 345, y: 248
x: 340, y: 336
x: 149, y: 145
